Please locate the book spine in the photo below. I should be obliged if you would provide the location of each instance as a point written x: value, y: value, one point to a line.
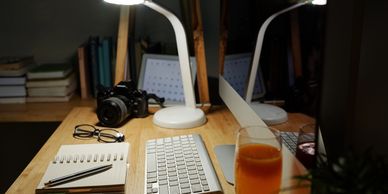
x: 83, y: 73
x: 106, y: 45
x: 93, y: 64
x: 132, y: 60
x: 13, y: 91
x: 12, y: 100
x: 12, y: 81
x: 101, y: 68
x: 114, y: 53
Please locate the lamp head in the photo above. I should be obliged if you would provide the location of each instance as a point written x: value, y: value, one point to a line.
x: 318, y: 2
x: 125, y: 2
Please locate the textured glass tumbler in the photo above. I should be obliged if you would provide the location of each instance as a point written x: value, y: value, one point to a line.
x: 258, y: 160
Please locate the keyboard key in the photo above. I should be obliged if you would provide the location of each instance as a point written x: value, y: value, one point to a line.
x: 162, y: 172
x: 174, y: 183
x: 194, y: 176
x: 163, y: 189
x: 196, y: 188
x: 183, y: 171
x: 185, y: 191
x: 174, y: 190
x: 290, y: 139
x: 183, y: 176
x: 151, y: 180
x: 184, y: 180
x: 151, y: 175
x: 163, y: 182
x: 194, y: 181
x: 185, y: 185
x: 151, y: 163
x: 174, y: 178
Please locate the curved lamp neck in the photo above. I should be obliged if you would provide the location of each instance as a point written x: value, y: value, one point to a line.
x: 183, y: 52
x: 259, y: 45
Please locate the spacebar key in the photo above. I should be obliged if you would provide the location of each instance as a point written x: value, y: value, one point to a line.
x: 151, y: 162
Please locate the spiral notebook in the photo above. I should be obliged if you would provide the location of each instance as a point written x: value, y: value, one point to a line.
x: 74, y: 158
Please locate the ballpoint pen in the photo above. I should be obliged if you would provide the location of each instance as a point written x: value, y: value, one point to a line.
x: 77, y: 175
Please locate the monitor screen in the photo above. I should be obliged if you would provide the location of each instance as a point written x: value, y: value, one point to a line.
x: 161, y: 75
x: 236, y: 72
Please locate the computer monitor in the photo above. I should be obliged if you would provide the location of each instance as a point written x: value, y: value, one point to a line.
x: 236, y: 72
x: 161, y: 75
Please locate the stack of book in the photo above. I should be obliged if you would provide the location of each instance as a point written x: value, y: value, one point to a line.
x: 12, y: 78
x: 51, y: 83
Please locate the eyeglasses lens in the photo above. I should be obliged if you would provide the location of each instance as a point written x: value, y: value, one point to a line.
x: 84, y: 131
x: 110, y: 135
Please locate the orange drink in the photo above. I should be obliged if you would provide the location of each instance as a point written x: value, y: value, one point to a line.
x: 258, y: 165
x: 258, y: 169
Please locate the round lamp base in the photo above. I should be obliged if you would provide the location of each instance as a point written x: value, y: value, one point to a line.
x: 270, y: 114
x: 179, y: 117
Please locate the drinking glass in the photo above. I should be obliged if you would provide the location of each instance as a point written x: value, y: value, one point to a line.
x: 305, y: 147
x: 258, y: 160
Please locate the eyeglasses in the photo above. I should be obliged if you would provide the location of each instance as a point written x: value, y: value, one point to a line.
x: 86, y: 131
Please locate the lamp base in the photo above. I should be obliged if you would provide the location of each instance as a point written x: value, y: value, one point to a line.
x: 179, y: 117
x: 270, y: 114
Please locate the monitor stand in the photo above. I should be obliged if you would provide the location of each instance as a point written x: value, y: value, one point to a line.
x: 225, y: 157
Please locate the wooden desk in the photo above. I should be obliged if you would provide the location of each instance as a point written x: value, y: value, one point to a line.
x: 41, y: 111
x: 219, y: 129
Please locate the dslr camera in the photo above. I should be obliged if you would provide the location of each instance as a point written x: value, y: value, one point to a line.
x: 121, y: 102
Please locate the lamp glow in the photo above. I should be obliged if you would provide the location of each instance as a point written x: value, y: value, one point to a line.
x: 270, y: 114
x: 318, y: 2
x: 125, y: 2
x: 175, y: 117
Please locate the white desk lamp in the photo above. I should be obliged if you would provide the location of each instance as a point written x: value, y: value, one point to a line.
x: 270, y: 114
x: 175, y: 117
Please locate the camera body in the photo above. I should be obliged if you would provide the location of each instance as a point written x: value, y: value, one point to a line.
x: 121, y: 102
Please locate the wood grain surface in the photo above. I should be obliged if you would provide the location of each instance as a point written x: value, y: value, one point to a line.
x: 220, y: 128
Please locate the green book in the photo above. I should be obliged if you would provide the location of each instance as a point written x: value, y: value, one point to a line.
x: 48, y: 71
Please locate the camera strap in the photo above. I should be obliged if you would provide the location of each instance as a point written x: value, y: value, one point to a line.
x: 158, y: 100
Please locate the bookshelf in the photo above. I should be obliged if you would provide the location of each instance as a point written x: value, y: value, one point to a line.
x: 41, y: 112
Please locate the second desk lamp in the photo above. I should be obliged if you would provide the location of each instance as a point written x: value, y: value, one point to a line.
x: 226, y: 153
x: 270, y: 114
x: 175, y: 117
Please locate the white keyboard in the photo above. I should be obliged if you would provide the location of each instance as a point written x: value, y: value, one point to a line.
x: 179, y: 164
x: 290, y: 139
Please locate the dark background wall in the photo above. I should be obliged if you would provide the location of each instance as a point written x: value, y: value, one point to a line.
x: 51, y: 31
x: 354, y: 105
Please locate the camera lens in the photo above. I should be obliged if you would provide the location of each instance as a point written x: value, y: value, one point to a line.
x: 112, y: 111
